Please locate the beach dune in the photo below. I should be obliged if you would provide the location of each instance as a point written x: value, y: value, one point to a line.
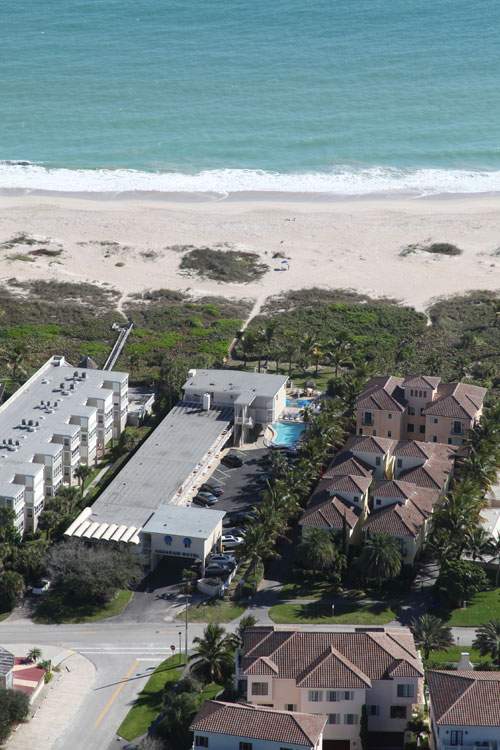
x: 134, y: 244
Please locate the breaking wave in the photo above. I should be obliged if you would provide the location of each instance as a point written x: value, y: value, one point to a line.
x: 341, y: 181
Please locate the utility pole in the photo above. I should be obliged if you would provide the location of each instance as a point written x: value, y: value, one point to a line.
x: 180, y: 646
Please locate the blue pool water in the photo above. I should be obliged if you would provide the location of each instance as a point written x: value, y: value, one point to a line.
x: 287, y: 433
x: 301, y: 403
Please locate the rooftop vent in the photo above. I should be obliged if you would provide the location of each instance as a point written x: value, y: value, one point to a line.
x: 75, y: 374
x: 23, y: 421
x: 30, y: 422
x: 72, y: 386
x: 10, y: 441
x: 45, y: 381
x: 17, y: 442
x: 84, y: 375
x: 61, y: 386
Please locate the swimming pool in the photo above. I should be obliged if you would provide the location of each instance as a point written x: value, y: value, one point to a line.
x: 300, y: 403
x: 287, y: 433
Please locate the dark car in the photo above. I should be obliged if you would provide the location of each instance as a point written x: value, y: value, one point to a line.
x: 232, y: 460
x: 205, y: 502
x: 207, y: 495
x: 217, y: 571
x: 215, y: 489
x: 242, y: 516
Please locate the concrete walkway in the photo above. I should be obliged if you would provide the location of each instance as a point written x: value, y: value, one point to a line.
x: 59, y: 702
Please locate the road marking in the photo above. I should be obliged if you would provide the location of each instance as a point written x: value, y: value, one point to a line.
x: 116, y: 693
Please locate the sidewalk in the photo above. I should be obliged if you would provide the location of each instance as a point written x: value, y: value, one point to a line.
x: 59, y: 702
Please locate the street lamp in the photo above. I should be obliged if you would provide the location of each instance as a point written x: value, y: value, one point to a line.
x: 186, y: 626
x: 180, y: 646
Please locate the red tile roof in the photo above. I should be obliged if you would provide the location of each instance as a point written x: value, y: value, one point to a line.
x: 370, y: 444
x: 295, y: 653
x: 421, y: 381
x: 382, y: 393
x: 396, y: 520
x: 464, y: 698
x: 333, y: 670
x: 255, y: 722
x: 433, y: 474
x: 330, y: 514
x: 456, y: 400
x: 346, y: 463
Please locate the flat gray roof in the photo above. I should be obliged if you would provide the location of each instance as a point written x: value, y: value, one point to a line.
x: 198, y: 523
x: 41, y: 422
x: 239, y: 381
x: 155, y: 473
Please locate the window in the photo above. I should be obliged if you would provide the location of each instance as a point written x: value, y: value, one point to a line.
x: 398, y: 712
x: 290, y: 707
x: 411, y: 391
x: 260, y: 688
x: 389, y: 416
x: 168, y: 540
x: 315, y: 696
x: 373, y: 710
x: 450, y: 441
x: 187, y: 541
x: 355, y: 499
x: 457, y: 428
x: 367, y: 418
x: 406, y: 691
x: 389, y: 433
x: 334, y: 719
x: 435, y: 420
x: 411, y: 410
x: 456, y: 737
x: 360, y: 430
x: 378, y: 461
x: 351, y: 719
x: 339, y: 695
x: 422, y: 409
x: 425, y: 394
x: 434, y: 439
x: 400, y: 463
x: 422, y: 429
x: 411, y: 428
x: 200, y: 741
x: 245, y: 746
x: 378, y: 501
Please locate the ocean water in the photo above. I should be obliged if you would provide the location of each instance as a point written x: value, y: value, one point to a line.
x: 341, y: 96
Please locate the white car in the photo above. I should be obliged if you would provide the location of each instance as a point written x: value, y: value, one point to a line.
x: 229, y: 541
x: 41, y: 587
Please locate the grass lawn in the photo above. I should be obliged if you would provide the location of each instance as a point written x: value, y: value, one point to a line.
x: 319, y: 613
x: 218, y: 611
x: 452, y: 655
x: 148, y: 703
x: 482, y: 607
x: 4, y: 615
x: 53, y: 610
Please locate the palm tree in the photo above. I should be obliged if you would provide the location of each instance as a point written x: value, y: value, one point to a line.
x: 478, y: 543
x: 34, y: 655
x: 488, y: 640
x: 380, y: 558
x: 212, y: 654
x: 431, y: 634
x: 494, y: 550
x: 82, y: 472
x: 418, y: 725
x: 247, y: 621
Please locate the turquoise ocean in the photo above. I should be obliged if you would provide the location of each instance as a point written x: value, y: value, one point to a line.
x: 349, y: 97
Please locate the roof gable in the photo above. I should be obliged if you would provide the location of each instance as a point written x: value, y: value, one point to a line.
x: 465, y: 698
x: 333, y: 670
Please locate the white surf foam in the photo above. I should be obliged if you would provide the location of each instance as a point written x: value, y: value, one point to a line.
x: 342, y: 181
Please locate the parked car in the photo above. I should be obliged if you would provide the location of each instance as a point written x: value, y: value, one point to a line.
x: 205, y: 502
x: 232, y: 460
x: 41, y: 587
x: 215, y: 489
x: 229, y: 541
x: 241, y: 516
x: 224, y: 560
x: 217, y: 571
x: 208, y: 495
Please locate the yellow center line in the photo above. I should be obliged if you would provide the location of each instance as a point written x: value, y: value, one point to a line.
x: 116, y: 693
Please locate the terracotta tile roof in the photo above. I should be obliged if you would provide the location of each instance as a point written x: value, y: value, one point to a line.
x: 374, y: 654
x: 329, y: 515
x: 346, y: 463
x: 456, y: 400
x: 6, y: 661
x: 424, y: 498
x: 350, y: 485
x: 413, y: 449
x: 264, y: 666
x: 464, y: 698
x: 396, y: 520
x: 333, y: 670
x: 421, y: 381
x: 383, y: 393
x: 370, y: 444
x: 432, y: 474
x: 255, y: 722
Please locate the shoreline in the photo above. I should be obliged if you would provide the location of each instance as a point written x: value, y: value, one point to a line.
x: 243, y: 196
x: 135, y: 244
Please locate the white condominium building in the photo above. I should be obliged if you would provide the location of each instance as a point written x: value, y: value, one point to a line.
x: 61, y: 417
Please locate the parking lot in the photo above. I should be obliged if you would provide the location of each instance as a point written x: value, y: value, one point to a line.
x: 243, y: 485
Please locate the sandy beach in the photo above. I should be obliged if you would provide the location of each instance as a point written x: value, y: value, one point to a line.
x: 133, y: 244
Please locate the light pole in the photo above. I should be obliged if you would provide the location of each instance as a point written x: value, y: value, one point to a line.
x: 180, y: 646
x: 186, y: 644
